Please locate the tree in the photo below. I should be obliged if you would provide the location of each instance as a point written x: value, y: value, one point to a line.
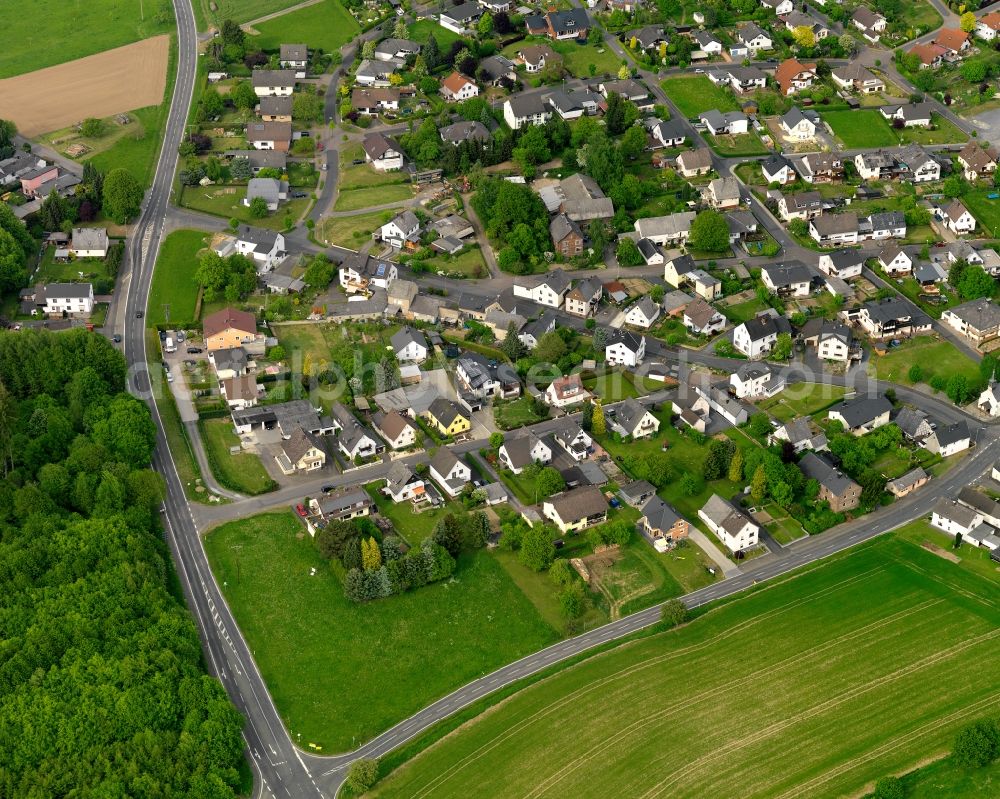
x: 93, y: 128
x: 572, y: 600
x: 54, y: 211
x: 122, y: 197
x: 633, y: 143
x: 537, y: 548
x: 258, y: 208
x: 673, y: 613
x: 967, y: 22
x: 319, y: 273
x: 368, y: 49
x: 362, y: 775
x: 709, y: 232
x: 804, y: 36
x: 620, y: 115
x: 550, y: 348
x: 735, y: 473
x: 598, y: 426
x: 782, y: 347
x: 889, y: 788
x: 485, y: 26
x: 952, y: 186
x: 916, y: 373
x: 627, y: 253
x: 512, y: 346
x: 758, y: 485
x: 307, y: 106
x: 371, y: 555
x: 977, y: 744
x: 243, y: 96
x: 8, y: 130
x: 974, y: 71
x: 431, y: 53
x: 125, y: 428
x: 549, y: 482
x: 400, y: 29
x: 624, y: 72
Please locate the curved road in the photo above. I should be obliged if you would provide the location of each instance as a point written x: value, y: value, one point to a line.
x: 280, y: 768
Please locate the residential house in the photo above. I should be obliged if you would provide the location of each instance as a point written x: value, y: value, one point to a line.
x: 481, y: 378
x: 402, y: 484
x: 985, y: 505
x: 662, y: 524
x: 754, y: 38
x: 803, y: 205
x: 354, y: 440
x: 89, y: 242
x: 526, y: 109
x: 342, y: 505
x: 401, y: 231
x: 913, y: 115
x: 397, y: 430
x: 390, y: 49
x: 584, y: 297
x: 637, y: 493
x: 833, y: 341
x: 566, y: 391
x: 361, y: 272
x: 447, y: 418
x: 834, y: 230
x: 801, y: 433
x: 271, y: 190
x: 792, y: 279
x: 875, y: 164
x: 916, y: 165
x: 273, y: 82
x: 572, y: 23
x: 232, y: 362
x: 532, y: 331
x: 265, y: 247
x: 955, y: 518
x: 671, y: 133
x: 756, y: 337
x: 567, y: 238
x: 798, y: 125
x: 979, y: 320
x: 723, y: 192
x: 914, y: 424
x: 707, y: 42
x: 240, y: 392
x: 260, y: 159
x: 694, y: 162
x: 523, y: 449
x: 735, y: 529
x: 894, y: 261
x: 988, y: 27
x: 755, y: 380
x: 741, y: 224
x: 573, y: 104
x: 861, y: 415
x: 461, y: 19
x: 954, y: 40
x: 796, y: 19
x: 632, y: 419
x: 66, y: 299
x: 948, y: 440
x: 577, y: 509
x: 821, y: 167
x: 732, y: 122
x: 377, y: 73
x: 651, y: 253
x: 409, y: 345
x: 844, y: 264
x: 958, y: 219
x: 692, y: 409
x: 450, y: 473
x: 723, y: 403
x: 642, y: 313
x: 871, y: 24
x: 301, y: 452
x: 976, y: 161
x: 230, y: 328
x: 269, y: 135
x: 929, y: 55
x: 854, y: 76
x: 648, y: 38
x: 534, y: 57
x: 778, y: 169
x: 779, y: 7
x: 373, y: 101
x: 548, y: 289
x: 793, y: 76
x: 293, y: 56
x: 382, y: 152
x: 908, y: 483
x: 572, y: 438
x: 836, y: 488
x: 702, y: 319
x: 624, y: 348
x: 498, y: 71
x: 456, y: 88
x: 892, y: 317
x: 275, y: 109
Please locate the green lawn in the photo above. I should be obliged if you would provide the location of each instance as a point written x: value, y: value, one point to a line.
x: 933, y: 355
x: 516, y: 413
x: 339, y: 672
x: 357, y: 199
x: 743, y: 144
x: 945, y: 132
x: 227, y: 201
x: 359, y: 176
x: 352, y: 231
x: 860, y: 129
x: 578, y: 59
x: 985, y: 210
x: 742, y: 311
x: 694, y: 94
x: 49, y: 271
x: 243, y: 472
x: 50, y: 32
x: 468, y: 264
x: 848, y: 671
x: 173, y: 278
x: 414, y: 527
x: 802, y: 399
x: 326, y: 25
x: 946, y: 778
x: 423, y: 28
x: 244, y: 10
x: 611, y: 386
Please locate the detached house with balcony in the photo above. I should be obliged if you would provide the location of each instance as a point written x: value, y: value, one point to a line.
x: 577, y: 509
x: 793, y: 76
x: 792, y: 279
x: 976, y: 162
x: 450, y: 473
x: 630, y: 418
x: 522, y: 449
x: 892, y: 318
x: 978, y: 320
x: 382, y: 152
x: 526, y: 109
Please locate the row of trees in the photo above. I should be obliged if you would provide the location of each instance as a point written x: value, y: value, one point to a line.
x: 102, y: 687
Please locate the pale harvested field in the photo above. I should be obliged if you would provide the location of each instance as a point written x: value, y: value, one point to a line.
x: 133, y: 76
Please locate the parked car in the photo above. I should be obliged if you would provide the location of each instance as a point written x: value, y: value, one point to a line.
x: 194, y: 350
x: 163, y: 335
x: 301, y: 510
x: 116, y: 338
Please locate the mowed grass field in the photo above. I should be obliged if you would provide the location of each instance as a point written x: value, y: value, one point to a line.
x: 339, y: 672
x: 933, y: 355
x: 694, y: 94
x: 173, y: 277
x: 985, y: 210
x: 810, y: 687
x: 46, y: 32
x: 327, y: 25
x: 857, y: 129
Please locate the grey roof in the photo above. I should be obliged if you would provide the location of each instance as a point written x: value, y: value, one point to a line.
x: 393, y: 46
x: 444, y: 461
x: 572, y: 19
x: 887, y: 220
x: 794, y: 116
x: 830, y: 224
x: 376, y: 145
x: 518, y: 448
x: 911, y: 478
x: 579, y: 503
x: 269, y: 189
x: 269, y: 131
x: 670, y: 129
x: 981, y: 314
x: 526, y: 105
x: 496, y: 67
x: 273, y: 77
x: 626, y: 337
x: 234, y: 358
x: 842, y: 259
x: 910, y: 421
x: 751, y: 31
x: 760, y: 327
x: 446, y: 411
x: 628, y: 88
x: 670, y: 226
x: 787, y: 274
x: 90, y: 238
x: 628, y: 413
x: 464, y: 12
x: 724, y: 514
x: 299, y: 444
x: 260, y: 159
x: 753, y: 370
x: 800, y: 429
x: 465, y: 131
x: 774, y: 163
x: 293, y: 52
x: 979, y: 501
x: 648, y: 36
x: 407, y: 335
x: 275, y: 106
x: 705, y: 38
x: 822, y: 471
x: 861, y: 410
x: 562, y: 226
x: 637, y: 489
x: 399, y: 476
x: 951, y: 434
x: 955, y: 511
x: 496, y: 492
x: 659, y: 515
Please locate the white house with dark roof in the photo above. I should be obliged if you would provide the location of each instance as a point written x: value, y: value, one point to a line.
x: 894, y: 260
x: 522, y: 449
x: 642, y: 313
x: 777, y: 169
x: 89, y: 242
x: 957, y: 218
x: 450, y: 473
x: 382, y: 152
x: 861, y: 414
x: 624, y: 348
x: 631, y: 418
x: 755, y: 380
x: 978, y: 320
x: 401, y: 230
x: 756, y: 337
x: 844, y: 264
x: 734, y: 528
x: 409, y: 344
x: 460, y: 19
x: 402, y: 484
x: 66, y: 299
x: 791, y: 279
x: 526, y: 109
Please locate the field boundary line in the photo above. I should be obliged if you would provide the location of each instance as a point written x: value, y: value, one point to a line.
x: 951, y: 588
x: 582, y: 691
x: 791, y: 660
x: 919, y: 732
x: 279, y: 13
x: 822, y: 707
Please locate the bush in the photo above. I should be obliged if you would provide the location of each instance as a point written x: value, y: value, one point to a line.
x: 889, y: 788
x: 572, y: 600
x: 362, y: 774
x: 674, y: 612
x: 977, y: 744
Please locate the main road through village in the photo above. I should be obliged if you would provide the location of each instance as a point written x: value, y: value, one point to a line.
x: 280, y: 767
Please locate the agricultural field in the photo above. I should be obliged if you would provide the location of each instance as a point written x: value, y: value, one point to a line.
x: 985, y: 210
x: 326, y: 25
x: 173, y: 278
x: 243, y: 10
x: 860, y: 129
x: 684, y: 713
x: 339, y: 672
x: 694, y: 94
x: 80, y: 29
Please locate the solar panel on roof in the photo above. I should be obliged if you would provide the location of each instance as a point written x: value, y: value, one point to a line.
x: 380, y: 271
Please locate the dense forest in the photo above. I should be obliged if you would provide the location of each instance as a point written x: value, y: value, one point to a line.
x: 102, y: 686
